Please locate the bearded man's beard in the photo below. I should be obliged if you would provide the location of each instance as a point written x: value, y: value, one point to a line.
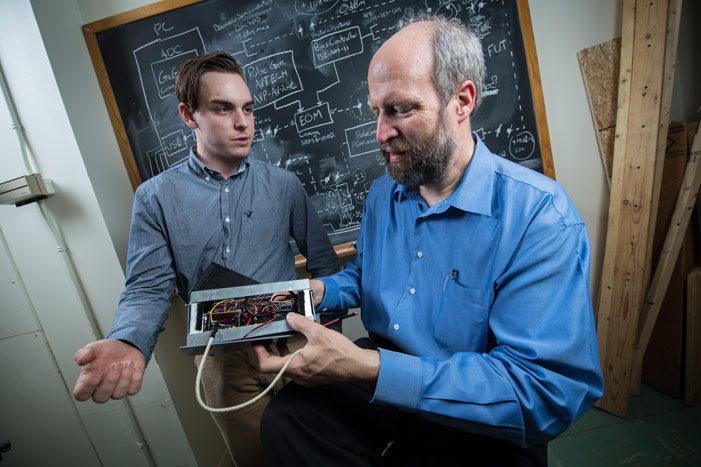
x: 427, y: 157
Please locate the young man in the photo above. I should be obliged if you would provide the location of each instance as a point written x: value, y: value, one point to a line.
x: 218, y: 206
x: 473, y: 278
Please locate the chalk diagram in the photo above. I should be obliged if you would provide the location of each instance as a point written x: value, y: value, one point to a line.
x: 275, y: 83
x: 157, y: 63
x: 499, y: 87
x: 305, y: 63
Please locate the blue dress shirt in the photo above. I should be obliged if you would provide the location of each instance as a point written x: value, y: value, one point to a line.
x: 190, y: 216
x: 487, y: 295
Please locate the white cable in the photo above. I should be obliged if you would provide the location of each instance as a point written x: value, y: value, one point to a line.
x: 244, y: 404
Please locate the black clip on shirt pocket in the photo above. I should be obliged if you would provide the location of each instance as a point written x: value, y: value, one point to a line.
x: 452, y: 276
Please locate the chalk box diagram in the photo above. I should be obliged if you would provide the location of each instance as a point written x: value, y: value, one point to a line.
x: 306, y: 63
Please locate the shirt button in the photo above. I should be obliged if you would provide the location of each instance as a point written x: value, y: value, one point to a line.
x: 396, y: 327
x: 207, y: 178
x: 227, y: 219
x: 226, y: 189
x: 412, y: 291
x: 228, y: 250
x: 419, y: 254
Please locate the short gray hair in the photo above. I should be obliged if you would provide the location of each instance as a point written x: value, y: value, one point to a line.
x: 457, y: 56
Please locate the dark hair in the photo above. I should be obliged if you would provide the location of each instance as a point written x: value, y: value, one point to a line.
x: 457, y: 56
x: 187, y: 82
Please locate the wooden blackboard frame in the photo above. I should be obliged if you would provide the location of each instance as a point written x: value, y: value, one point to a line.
x: 91, y: 30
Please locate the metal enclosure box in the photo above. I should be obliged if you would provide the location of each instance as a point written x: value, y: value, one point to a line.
x: 199, y: 328
x: 25, y: 189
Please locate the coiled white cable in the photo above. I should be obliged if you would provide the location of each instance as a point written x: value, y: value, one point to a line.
x: 244, y: 404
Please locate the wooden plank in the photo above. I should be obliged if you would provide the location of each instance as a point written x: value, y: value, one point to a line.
x: 546, y: 153
x: 623, y: 282
x: 622, y: 110
x: 670, y: 252
x: 343, y: 251
x: 600, y: 66
x: 662, y: 365
x: 692, y: 383
x: 670, y: 62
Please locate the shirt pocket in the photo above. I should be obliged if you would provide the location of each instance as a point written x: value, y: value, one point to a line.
x: 462, y: 321
x: 262, y: 234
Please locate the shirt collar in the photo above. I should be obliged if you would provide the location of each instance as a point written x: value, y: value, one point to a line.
x: 201, y: 169
x: 474, y: 193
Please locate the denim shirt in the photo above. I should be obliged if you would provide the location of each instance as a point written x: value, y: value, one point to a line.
x: 487, y: 295
x: 190, y: 216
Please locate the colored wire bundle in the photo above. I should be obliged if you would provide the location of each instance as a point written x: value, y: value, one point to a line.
x: 246, y: 311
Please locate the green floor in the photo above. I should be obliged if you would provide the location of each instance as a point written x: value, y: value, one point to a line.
x: 658, y: 430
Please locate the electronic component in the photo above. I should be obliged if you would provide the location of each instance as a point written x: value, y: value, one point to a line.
x: 245, y: 313
x: 25, y: 189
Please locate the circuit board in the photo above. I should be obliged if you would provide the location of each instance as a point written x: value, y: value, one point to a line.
x: 246, y: 313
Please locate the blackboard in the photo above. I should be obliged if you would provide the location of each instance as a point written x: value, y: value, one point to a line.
x: 306, y: 64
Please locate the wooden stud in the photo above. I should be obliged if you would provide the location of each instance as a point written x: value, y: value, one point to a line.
x: 668, y: 257
x: 662, y: 365
x: 546, y: 153
x: 670, y: 62
x: 623, y: 281
x: 622, y: 110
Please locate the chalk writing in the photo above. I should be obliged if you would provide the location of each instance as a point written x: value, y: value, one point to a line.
x: 305, y: 63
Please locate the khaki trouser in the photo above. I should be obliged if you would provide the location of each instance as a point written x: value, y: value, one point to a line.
x: 232, y: 378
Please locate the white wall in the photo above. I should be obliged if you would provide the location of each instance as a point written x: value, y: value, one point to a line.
x: 60, y: 26
x: 561, y: 29
x: 42, y: 321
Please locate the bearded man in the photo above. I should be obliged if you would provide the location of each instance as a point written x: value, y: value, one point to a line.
x: 472, y: 274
